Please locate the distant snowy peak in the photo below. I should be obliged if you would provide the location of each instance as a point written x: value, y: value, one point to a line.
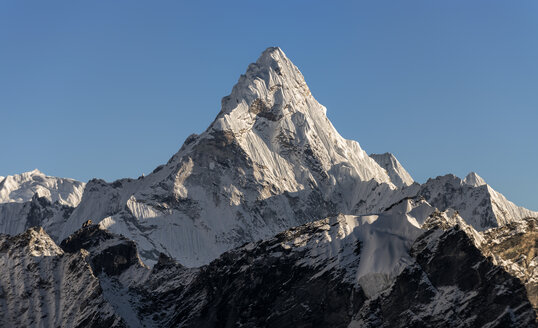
x: 398, y: 175
x: 480, y: 205
x: 474, y: 180
x: 20, y: 188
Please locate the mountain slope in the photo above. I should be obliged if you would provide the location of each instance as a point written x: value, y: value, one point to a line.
x: 451, y: 284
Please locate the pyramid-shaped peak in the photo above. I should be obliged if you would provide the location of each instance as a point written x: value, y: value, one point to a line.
x: 272, y: 88
x: 274, y: 65
x: 399, y: 176
x: 474, y: 180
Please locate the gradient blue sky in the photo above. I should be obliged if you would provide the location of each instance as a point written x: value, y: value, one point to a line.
x: 111, y: 89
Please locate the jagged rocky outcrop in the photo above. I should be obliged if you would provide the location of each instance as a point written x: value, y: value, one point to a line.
x: 267, y: 284
x: 311, y: 275
x: 451, y: 284
x: 42, y: 286
x: 108, y: 253
x: 514, y: 247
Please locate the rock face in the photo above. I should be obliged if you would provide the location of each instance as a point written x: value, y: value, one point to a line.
x: 264, y: 284
x: 42, y: 286
x: 451, y: 284
x: 108, y: 253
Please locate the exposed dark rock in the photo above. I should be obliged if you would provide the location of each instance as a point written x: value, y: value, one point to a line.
x: 451, y: 285
x: 109, y: 253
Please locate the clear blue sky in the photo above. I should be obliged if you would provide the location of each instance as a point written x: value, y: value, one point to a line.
x: 111, y: 89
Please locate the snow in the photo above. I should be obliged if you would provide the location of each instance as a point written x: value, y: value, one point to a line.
x: 478, y: 204
x: 121, y: 300
x: 385, y: 240
x: 47, y: 287
x: 398, y: 175
x: 270, y: 161
x: 21, y: 188
x: 22, y: 202
x: 474, y: 180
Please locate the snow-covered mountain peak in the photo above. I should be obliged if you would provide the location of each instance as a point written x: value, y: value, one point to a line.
x: 398, y: 175
x: 474, y: 180
x: 272, y: 57
x: 271, y: 113
x: 19, y: 188
x: 480, y: 205
x: 270, y: 160
x: 272, y: 88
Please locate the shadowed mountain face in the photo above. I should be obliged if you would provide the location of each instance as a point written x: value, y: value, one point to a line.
x: 305, y: 276
x: 41, y: 286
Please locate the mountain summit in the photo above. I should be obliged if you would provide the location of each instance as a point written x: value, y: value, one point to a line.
x: 271, y: 160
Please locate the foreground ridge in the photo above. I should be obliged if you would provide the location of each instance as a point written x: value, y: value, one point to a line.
x: 308, y: 275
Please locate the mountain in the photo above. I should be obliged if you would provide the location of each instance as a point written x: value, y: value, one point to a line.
x: 21, y: 188
x: 398, y: 175
x: 35, y: 199
x: 480, y: 205
x: 268, y: 218
x: 271, y: 160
